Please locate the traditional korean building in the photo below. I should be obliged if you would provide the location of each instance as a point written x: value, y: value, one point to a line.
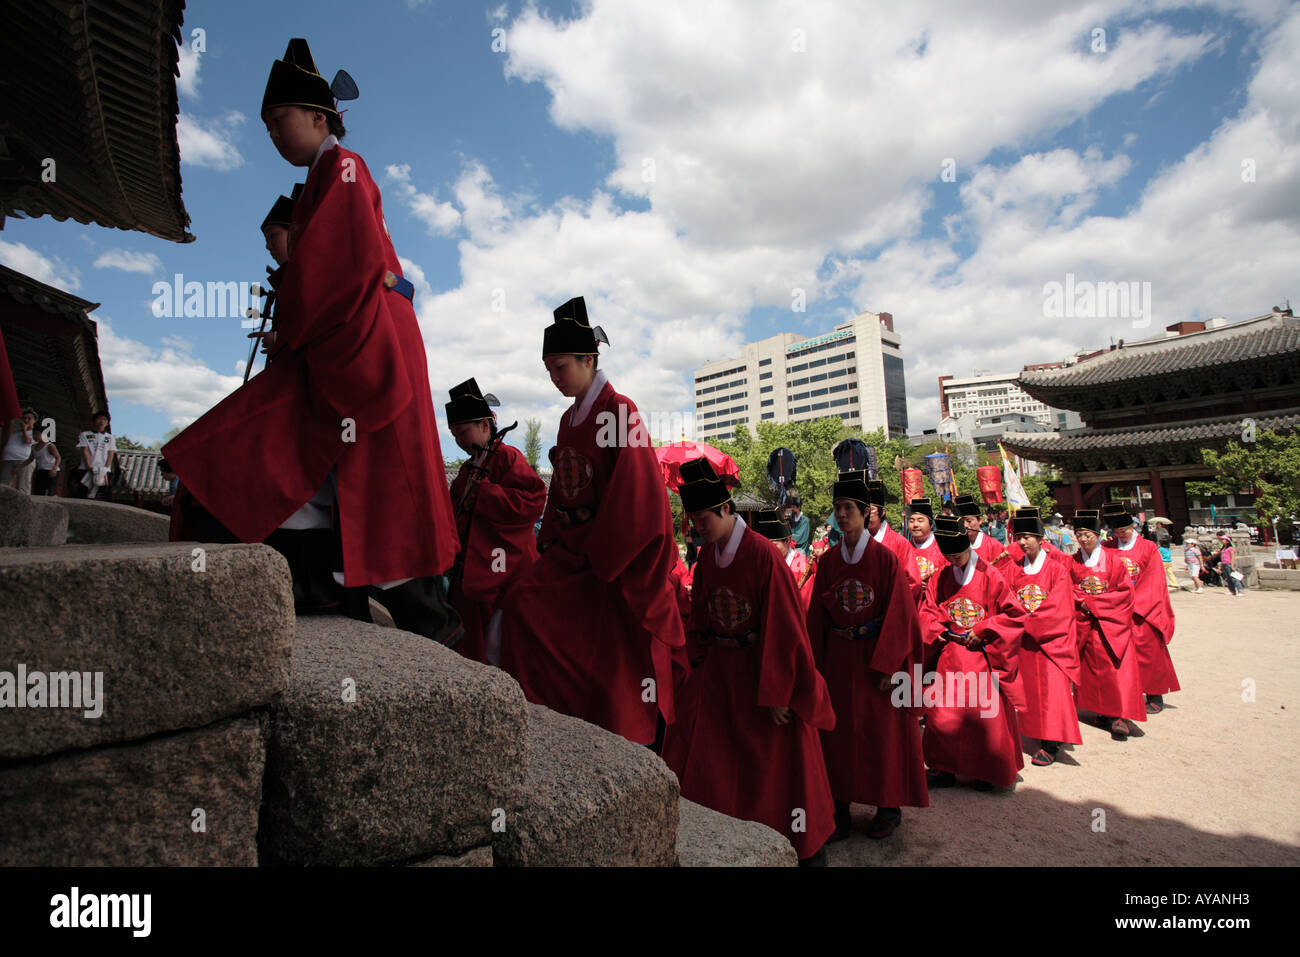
x: 1150, y: 407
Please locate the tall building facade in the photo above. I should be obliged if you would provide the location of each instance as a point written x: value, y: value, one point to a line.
x: 854, y: 372
x: 987, y: 396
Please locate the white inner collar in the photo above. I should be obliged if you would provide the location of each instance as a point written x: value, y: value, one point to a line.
x: 1091, y: 561
x: 1034, y: 567
x: 728, y: 552
x: 856, y: 555
x: 880, y: 534
x: 925, y: 544
x: 962, y: 576
x: 789, y: 556
x: 979, y: 540
x: 1133, y: 540
x: 328, y: 143
x: 580, y: 412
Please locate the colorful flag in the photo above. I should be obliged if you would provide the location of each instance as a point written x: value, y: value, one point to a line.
x: 1016, y: 496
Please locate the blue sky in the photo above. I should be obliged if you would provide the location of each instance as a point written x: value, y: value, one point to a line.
x: 687, y: 166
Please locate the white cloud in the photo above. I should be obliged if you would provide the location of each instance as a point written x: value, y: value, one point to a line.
x: 146, y: 263
x: 210, y: 143
x: 187, y: 84
x: 167, y: 379
x: 439, y: 218
x: 50, y: 270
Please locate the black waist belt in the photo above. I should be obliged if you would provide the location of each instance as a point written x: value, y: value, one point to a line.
x: 734, y: 641
x: 577, y: 516
x: 863, y: 632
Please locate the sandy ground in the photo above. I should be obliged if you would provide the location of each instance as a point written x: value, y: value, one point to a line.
x: 1213, y: 782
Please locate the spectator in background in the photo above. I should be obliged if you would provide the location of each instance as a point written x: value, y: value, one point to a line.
x: 98, y: 450
x: 172, y: 480
x: 1167, y: 559
x: 800, y: 528
x: 1227, y: 558
x: 1192, y: 555
x: 997, y: 528
x: 19, y: 442
x: 48, y: 461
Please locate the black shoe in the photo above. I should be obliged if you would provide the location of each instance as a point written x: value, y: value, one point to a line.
x: 816, y: 860
x: 885, y: 822
x: 982, y: 785
x: 843, y: 822
x: 940, y: 779
x: 1119, y: 729
x: 421, y: 606
x: 313, y: 554
x: 1155, y: 704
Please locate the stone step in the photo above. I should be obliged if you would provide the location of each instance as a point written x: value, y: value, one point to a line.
x: 30, y: 520
x: 161, y: 636
x: 106, y: 523
x: 590, y: 798
x: 707, y: 838
x: 388, y: 748
x: 190, y: 798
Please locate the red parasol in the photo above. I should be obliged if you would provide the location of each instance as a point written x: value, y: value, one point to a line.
x: 672, y: 455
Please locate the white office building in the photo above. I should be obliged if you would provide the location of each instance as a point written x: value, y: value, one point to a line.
x: 854, y: 372
x: 988, y: 396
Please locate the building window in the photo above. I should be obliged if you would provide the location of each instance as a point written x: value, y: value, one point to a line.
x: 766, y: 388
x: 764, y: 362
x: 765, y: 403
x: 769, y: 415
x: 764, y: 375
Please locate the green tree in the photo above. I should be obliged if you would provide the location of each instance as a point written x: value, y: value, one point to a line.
x: 1270, y: 466
x: 125, y: 444
x: 533, y: 441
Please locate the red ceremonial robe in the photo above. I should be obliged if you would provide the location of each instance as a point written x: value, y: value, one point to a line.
x: 927, y: 561
x: 1049, y: 654
x: 1153, y: 615
x: 1110, y: 683
x: 348, y: 390
x: 957, y: 737
x: 499, y: 543
x: 989, y: 549
x: 797, y: 562
x: 9, y: 406
x: 727, y: 752
x: 873, y: 755
x: 1016, y: 554
x: 595, y: 618
x: 903, y: 550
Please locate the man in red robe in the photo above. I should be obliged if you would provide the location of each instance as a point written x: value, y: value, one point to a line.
x: 590, y: 627
x: 1153, y: 615
x: 988, y: 548
x: 498, y: 499
x: 746, y: 739
x: 1049, y: 654
x: 878, y: 528
x: 1110, y: 682
x: 972, y: 625
x: 926, y: 556
x: 335, y: 444
x: 866, y: 638
x: 771, y: 524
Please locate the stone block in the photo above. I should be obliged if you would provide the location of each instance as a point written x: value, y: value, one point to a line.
x: 30, y: 520
x: 185, y: 799
x: 169, y: 646
x: 388, y: 748
x: 707, y: 838
x: 91, y: 522
x: 590, y: 798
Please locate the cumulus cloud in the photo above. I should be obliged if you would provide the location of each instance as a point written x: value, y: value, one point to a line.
x: 439, y: 218
x: 167, y: 379
x: 127, y: 261
x: 210, y: 143
x: 50, y: 270
x: 187, y: 84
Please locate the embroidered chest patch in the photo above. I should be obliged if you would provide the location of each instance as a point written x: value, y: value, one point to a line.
x: 964, y: 612
x: 925, y: 567
x: 728, y: 610
x: 573, y: 471
x: 855, y: 596
x: 1031, y: 596
x: 1093, y: 585
x: 1134, y: 568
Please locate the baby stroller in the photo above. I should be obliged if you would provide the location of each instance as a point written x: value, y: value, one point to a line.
x: 1210, y: 572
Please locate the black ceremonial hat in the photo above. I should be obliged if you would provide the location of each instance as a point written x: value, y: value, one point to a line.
x: 877, y: 492
x: 950, y: 535
x: 295, y: 81
x: 701, y: 488
x: 771, y: 525
x: 966, y: 505
x: 572, y: 333
x: 1088, y: 518
x: 1116, y: 515
x: 469, y: 404
x: 281, y: 214
x: 1027, y: 521
x: 921, y: 505
x: 853, y: 486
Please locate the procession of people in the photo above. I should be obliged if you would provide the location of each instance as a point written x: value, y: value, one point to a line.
x: 782, y: 679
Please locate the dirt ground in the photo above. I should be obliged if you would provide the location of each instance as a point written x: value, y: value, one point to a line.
x: 1213, y: 782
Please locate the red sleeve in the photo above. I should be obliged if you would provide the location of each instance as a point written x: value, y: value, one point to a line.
x: 1001, y: 631
x: 332, y: 302
x: 899, y: 646
x: 815, y: 620
x: 513, y: 494
x: 1151, y: 593
x: 1113, y: 608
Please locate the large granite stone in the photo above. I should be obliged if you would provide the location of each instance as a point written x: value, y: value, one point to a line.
x: 388, y: 748
x: 134, y: 805
x: 30, y: 520
x: 479, y: 857
x: 170, y: 646
x: 590, y: 798
x: 706, y: 838
x: 106, y: 523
